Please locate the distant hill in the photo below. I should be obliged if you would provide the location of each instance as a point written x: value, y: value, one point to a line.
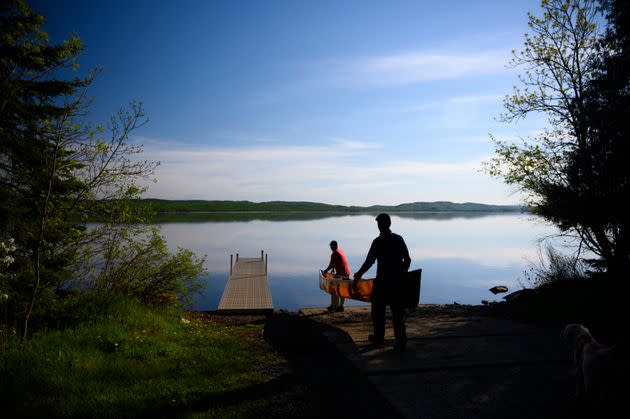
x: 162, y: 206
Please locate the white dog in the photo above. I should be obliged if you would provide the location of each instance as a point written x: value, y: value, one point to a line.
x: 594, y: 362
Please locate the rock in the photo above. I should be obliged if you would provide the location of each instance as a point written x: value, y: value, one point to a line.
x: 518, y: 294
x: 498, y: 289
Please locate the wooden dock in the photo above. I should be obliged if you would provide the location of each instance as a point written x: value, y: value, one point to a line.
x: 247, y: 290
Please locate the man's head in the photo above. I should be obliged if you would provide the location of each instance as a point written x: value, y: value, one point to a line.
x: 333, y: 245
x: 384, y: 222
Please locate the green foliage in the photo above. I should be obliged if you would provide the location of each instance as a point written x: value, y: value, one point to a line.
x: 598, y: 171
x: 554, y: 266
x: 36, y: 181
x: 143, y: 268
x: 26, y: 62
x: 127, y: 361
x: 5, y: 261
x: 56, y: 170
x: 575, y: 173
x: 558, y: 57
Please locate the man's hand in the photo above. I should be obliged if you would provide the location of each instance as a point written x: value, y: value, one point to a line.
x: 357, y: 277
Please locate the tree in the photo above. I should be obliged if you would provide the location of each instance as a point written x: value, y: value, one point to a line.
x: 597, y: 172
x: 57, y: 170
x: 34, y: 167
x: 565, y: 172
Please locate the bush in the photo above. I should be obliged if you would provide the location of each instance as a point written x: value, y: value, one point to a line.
x: 556, y: 267
x: 144, y: 269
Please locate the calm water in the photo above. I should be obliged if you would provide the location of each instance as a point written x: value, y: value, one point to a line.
x: 461, y: 257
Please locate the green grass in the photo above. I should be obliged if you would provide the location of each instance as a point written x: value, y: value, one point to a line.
x: 132, y: 362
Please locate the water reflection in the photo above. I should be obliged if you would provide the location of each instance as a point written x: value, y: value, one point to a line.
x: 461, y: 257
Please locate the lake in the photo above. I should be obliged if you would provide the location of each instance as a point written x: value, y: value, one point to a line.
x: 461, y: 255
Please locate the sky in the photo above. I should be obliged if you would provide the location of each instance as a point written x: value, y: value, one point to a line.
x: 342, y: 102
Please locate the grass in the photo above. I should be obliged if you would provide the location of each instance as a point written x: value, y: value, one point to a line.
x: 135, y: 361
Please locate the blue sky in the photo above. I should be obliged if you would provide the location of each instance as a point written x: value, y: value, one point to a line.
x: 343, y: 102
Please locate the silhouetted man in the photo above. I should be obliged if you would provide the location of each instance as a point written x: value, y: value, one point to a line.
x: 390, y: 252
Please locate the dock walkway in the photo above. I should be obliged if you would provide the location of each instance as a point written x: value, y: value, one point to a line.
x: 247, y: 289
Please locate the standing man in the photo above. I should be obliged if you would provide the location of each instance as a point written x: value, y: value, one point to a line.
x: 392, y: 256
x: 338, y: 264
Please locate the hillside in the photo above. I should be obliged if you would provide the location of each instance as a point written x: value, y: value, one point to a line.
x: 193, y: 206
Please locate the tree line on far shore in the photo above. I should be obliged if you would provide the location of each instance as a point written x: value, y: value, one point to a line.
x: 173, y: 206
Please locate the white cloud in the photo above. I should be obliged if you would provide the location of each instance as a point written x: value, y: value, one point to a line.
x: 406, y: 168
x: 476, y: 99
x: 422, y: 66
x: 350, y: 172
x: 413, y: 67
x: 482, y: 99
x: 350, y: 144
x: 464, y: 111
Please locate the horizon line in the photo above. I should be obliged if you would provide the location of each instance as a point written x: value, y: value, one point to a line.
x: 326, y: 203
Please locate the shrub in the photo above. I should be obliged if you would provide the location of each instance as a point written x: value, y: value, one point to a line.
x: 143, y: 268
x: 554, y: 266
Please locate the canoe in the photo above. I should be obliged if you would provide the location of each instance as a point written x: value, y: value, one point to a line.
x: 342, y: 287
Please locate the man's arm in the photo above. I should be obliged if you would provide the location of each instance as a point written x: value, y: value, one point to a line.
x: 330, y: 265
x: 406, y: 257
x: 369, y: 261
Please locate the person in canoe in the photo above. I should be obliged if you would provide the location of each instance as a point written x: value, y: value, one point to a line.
x: 340, y: 267
x: 392, y: 256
